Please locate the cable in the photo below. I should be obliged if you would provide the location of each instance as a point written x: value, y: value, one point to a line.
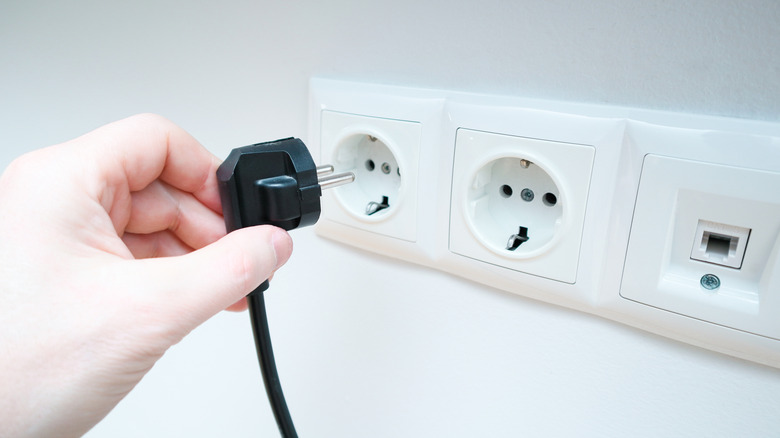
x: 265, y: 354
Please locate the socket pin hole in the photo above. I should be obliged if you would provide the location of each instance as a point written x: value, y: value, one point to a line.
x: 550, y: 199
x: 370, y: 165
x: 505, y: 191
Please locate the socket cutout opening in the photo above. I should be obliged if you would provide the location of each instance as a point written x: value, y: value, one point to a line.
x: 720, y: 244
x: 493, y: 213
x: 377, y: 186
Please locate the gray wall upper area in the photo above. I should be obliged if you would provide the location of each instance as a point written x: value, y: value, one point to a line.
x: 250, y: 60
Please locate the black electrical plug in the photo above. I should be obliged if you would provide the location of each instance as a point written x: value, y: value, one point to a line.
x: 274, y: 183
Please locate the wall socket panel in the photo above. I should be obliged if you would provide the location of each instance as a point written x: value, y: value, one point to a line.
x: 663, y: 221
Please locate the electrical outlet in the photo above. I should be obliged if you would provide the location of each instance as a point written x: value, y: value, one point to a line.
x: 383, y: 154
x: 520, y: 202
x: 648, y: 218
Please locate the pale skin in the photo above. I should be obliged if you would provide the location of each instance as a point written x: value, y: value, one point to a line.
x: 112, y: 249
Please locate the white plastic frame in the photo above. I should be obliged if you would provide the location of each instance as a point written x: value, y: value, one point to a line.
x: 402, y: 140
x: 621, y: 139
x: 567, y: 165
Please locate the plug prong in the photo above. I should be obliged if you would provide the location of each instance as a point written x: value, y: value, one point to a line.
x: 325, y: 169
x: 336, y: 180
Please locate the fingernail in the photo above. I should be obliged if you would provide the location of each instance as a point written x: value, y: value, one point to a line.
x: 283, y: 244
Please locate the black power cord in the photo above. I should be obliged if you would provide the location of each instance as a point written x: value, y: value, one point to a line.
x: 274, y: 183
x: 265, y: 354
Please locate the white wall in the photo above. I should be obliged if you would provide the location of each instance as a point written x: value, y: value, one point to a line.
x: 372, y: 347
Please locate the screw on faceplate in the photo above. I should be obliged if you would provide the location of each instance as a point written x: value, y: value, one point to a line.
x: 386, y: 168
x: 527, y: 195
x: 709, y: 281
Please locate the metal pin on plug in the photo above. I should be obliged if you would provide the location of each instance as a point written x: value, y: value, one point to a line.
x: 328, y: 181
x: 325, y: 169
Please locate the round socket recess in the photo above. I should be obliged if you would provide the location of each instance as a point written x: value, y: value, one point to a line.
x: 377, y: 186
x: 519, y: 202
x: 514, y: 207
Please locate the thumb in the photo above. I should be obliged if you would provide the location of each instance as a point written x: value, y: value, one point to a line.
x: 198, y: 285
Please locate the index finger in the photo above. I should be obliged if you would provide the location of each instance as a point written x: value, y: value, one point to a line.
x: 135, y: 151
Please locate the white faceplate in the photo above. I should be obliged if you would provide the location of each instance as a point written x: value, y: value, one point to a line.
x: 679, y: 202
x: 663, y: 221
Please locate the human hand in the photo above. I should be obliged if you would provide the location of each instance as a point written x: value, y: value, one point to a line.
x: 112, y: 248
